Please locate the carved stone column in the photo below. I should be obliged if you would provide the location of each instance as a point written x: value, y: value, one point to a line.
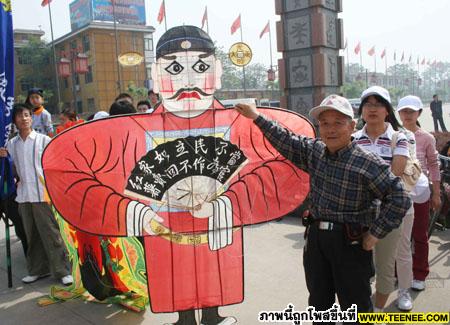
x: 309, y: 35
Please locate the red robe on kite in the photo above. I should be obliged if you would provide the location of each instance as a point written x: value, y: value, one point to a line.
x: 186, y: 178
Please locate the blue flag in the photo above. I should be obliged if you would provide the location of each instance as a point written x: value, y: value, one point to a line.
x: 6, y: 93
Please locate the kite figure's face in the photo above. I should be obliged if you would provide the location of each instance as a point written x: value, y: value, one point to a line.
x: 186, y: 81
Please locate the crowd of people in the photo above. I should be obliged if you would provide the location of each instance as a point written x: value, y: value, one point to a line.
x: 358, y: 207
x: 33, y: 219
x: 363, y: 222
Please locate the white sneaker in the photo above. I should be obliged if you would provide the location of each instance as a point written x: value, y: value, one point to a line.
x: 418, y: 285
x: 404, y: 301
x: 33, y: 278
x: 67, y: 280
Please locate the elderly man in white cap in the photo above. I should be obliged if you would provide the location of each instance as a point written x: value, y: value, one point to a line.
x: 346, y: 183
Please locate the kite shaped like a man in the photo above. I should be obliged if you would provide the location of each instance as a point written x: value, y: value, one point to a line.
x: 187, y: 178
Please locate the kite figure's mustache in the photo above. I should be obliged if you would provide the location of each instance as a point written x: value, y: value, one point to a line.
x: 189, y: 92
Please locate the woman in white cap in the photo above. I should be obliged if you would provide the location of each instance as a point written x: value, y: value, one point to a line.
x: 378, y: 134
x: 409, y: 109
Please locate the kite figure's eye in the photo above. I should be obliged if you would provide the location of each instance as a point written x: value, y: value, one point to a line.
x: 174, y: 68
x: 200, y: 66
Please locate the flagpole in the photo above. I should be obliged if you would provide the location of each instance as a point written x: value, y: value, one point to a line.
x: 207, y: 21
x: 270, y: 47
x: 385, y: 68
x: 360, y: 59
x: 395, y: 69
x: 58, y: 89
x: 165, y: 15
x: 348, y: 62
x: 243, y: 67
x: 116, y: 59
x: 375, y: 63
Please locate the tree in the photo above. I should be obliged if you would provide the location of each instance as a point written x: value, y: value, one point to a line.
x: 353, y: 89
x: 138, y: 93
x: 232, y: 77
x: 36, y: 69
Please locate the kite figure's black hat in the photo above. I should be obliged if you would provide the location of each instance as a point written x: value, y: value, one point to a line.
x: 184, y: 38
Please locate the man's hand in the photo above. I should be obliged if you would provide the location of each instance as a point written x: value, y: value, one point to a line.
x: 148, y: 217
x: 3, y: 152
x: 436, y: 201
x: 247, y: 110
x: 369, y: 241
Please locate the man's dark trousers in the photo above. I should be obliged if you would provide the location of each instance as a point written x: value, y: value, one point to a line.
x: 334, y: 266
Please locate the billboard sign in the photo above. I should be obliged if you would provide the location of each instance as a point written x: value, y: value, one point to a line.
x: 130, y: 12
x: 80, y: 13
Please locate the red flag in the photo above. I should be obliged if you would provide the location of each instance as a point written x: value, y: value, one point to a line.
x: 45, y: 2
x: 423, y: 61
x: 371, y: 51
x: 236, y: 25
x: 403, y: 56
x: 265, y: 30
x: 358, y: 48
x: 383, y: 54
x: 205, y: 16
x: 162, y: 12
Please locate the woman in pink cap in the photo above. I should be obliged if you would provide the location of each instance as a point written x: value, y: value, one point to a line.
x: 409, y: 109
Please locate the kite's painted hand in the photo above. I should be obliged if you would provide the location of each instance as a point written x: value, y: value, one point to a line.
x: 220, y: 223
x: 139, y: 219
x: 149, y: 216
x: 206, y: 210
x: 248, y: 110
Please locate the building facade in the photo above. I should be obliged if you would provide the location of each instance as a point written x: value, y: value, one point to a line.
x: 106, y: 78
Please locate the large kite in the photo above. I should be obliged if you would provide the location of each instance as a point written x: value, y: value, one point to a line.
x: 184, y: 179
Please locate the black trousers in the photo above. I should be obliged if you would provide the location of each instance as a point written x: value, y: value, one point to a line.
x: 439, y: 119
x: 335, y: 267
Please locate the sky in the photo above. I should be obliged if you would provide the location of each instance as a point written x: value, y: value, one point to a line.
x: 415, y: 27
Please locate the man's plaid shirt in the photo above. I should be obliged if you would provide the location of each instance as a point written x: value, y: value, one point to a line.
x: 344, y: 186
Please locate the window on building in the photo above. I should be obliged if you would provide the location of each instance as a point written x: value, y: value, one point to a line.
x: 86, y: 43
x: 25, y: 84
x: 79, y: 107
x: 88, y: 77
x: 91, y: 104
x: 148, y: 44
x: 73, y: 44
x: 77, y: 79
x: 66, y: 83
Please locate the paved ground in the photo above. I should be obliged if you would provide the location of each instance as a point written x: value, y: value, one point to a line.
x: 273, y: 278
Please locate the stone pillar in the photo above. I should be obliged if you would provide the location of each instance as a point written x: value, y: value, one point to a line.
x: 309, y: 35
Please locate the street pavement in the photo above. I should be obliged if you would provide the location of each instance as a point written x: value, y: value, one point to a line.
x: 273, y: 278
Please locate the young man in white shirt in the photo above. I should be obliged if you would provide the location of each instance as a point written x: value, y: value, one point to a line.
x: 46, y: 250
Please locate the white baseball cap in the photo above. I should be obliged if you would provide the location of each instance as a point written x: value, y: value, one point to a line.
x: 376, y: 90
x: 410, y: 101
x: 333, y: 102
x: 100, y: 114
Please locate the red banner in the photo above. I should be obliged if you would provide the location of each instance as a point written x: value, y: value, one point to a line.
x: 236, y: 25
